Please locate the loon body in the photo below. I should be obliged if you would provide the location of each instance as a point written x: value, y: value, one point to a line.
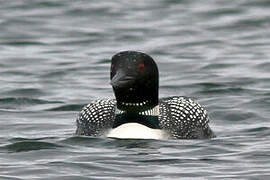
x: 137, y: 112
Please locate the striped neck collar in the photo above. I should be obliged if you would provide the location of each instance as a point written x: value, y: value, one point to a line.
x: 150, y: 112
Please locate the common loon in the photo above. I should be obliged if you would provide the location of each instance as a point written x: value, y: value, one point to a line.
x: 137, y: 112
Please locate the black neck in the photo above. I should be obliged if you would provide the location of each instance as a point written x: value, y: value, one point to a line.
x: 149, y: 121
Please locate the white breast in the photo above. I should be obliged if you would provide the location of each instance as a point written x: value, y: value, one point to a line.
x: 136, y: 131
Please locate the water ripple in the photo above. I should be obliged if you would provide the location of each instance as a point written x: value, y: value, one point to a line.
x: 29, y: 146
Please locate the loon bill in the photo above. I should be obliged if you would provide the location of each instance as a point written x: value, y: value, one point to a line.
x: 137, y: 112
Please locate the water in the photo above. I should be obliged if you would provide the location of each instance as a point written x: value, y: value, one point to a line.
x: 55, y: 58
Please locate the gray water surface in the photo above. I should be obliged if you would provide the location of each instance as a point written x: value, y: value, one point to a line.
x: 55, y: 58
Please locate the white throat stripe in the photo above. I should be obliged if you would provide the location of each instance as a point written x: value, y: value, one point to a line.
x: 150, y: 112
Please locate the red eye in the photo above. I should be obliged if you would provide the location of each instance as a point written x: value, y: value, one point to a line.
x: 141, y: 67
x: 112, y: 67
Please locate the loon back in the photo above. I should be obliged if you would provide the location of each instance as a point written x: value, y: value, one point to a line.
x: 179, y: 118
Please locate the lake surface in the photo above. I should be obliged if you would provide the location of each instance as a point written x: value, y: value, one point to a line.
x: 55, y: 58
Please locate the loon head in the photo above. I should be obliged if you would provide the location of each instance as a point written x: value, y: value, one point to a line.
x: 134, y: 78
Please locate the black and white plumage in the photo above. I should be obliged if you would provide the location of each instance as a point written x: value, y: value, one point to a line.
x: 134, y: 77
